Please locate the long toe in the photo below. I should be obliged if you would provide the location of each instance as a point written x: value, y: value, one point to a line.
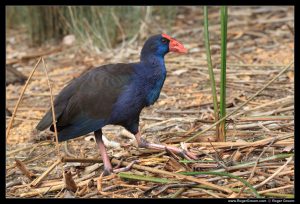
x: 127, y: 168
x: 182, y: 153
x: 189, y: 155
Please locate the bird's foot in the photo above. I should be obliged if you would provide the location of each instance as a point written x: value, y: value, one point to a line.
x: 181, y: 152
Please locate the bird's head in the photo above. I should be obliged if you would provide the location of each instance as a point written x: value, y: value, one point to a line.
x: 161, y: 44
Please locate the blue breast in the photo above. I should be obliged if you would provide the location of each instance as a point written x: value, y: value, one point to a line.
x: 143, y: 90
x: 154, y: 91
x: 155, y: 77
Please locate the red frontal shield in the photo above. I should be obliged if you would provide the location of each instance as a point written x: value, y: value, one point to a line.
x: 174, y: 45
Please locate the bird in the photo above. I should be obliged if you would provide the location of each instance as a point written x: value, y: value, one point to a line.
x: 114, y: 94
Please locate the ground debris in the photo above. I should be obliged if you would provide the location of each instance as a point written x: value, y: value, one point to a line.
x: 260, y: 138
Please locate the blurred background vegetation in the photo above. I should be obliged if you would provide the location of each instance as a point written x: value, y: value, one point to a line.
x: 100, y: 26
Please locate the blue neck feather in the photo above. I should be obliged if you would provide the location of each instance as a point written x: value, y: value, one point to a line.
x: 155, y: 72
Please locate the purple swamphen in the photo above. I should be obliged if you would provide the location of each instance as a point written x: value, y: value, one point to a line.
x: 114, y: 94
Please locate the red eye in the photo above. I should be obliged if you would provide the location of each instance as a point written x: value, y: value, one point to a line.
x: 164, y: 40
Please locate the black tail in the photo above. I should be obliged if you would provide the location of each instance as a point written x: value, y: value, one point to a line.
x: 45, y: 122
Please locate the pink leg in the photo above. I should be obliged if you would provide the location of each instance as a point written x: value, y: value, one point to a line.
x: 106, y: 162
x: 105, y: 158
x: 143, y: 143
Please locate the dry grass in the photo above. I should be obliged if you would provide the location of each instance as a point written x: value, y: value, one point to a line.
x: 260, y: 138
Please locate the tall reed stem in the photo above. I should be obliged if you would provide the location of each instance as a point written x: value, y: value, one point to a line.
x: 222, y: 130
x: 210, y: 69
